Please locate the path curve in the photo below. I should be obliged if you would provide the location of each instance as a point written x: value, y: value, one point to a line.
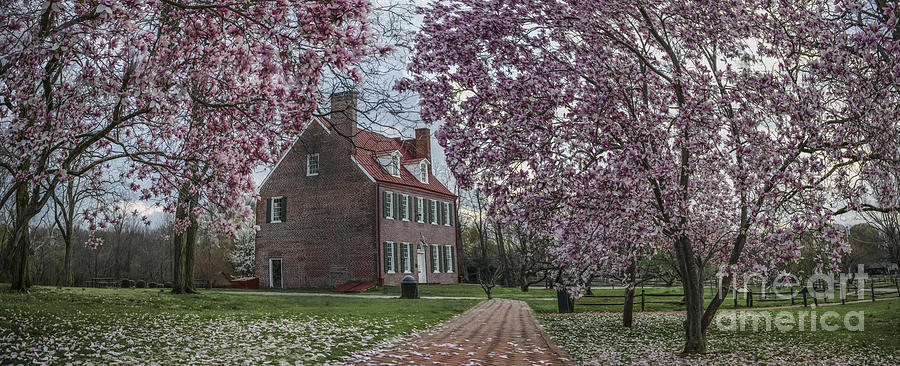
x: 495, y: 332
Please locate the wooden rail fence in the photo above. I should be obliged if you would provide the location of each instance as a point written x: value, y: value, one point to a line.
x: 879, y: 287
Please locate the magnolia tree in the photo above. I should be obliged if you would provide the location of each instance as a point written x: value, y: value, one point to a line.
x: 190, y: 95
x: 717, y: 131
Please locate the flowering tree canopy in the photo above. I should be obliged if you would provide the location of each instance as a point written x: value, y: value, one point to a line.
x: 192, y: 94
x: 718, y: 130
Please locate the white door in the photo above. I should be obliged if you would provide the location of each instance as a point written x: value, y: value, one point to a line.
x: 422, y: 277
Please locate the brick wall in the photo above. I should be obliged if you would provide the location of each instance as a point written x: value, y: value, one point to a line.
x: 328, y: 237
x: 399, y: 231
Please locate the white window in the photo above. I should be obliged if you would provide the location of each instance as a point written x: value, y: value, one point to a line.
x: 446, y: 207
x: 423, y: 172
x: 277, y: 210
x: 312, y: 165
x: 389, y: 256
x: 407, y: 257
x: 395, y: 165
x: 432, y: 210
x: 404, y: 207
x: 420, y: 209
x: 389, y: 204
x: 448, y: 258
x: 435, y: 259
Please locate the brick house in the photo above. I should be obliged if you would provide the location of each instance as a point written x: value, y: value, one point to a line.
x: 345, y: 204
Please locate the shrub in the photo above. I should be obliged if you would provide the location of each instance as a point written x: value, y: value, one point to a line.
x: 151, y: 285
x: 140, y: 284
x: 126, y: 283
x: 168, y: 285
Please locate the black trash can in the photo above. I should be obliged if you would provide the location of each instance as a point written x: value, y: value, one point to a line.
x: 409, y: 289
x: 564, y: 301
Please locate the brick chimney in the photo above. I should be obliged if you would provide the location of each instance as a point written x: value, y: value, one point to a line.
x: 343, y: 113
x: 423, y: 142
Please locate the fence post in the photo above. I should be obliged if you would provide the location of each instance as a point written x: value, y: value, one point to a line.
x: 642, y: 300
x: 804, y: 297
x: 792, y: 296
x: 898, y: 287
x: 734, y: 293
x: 749, y: 298
x: 872, y: 289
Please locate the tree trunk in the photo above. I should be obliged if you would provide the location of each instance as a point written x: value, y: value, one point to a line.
x: 68, y: 265
x: 178, y: 244
x: 190, y: 247
x: 21, y: 276
x: 692, y: 283
x: 628, y: 310
x: 70, y: 230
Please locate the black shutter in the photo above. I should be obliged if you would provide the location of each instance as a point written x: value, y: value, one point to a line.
x: 268, y: 210
x: 451, y: 250
x: 384, y: 209
x: 384, y: 248
x: 283, y: 209
x: 442, y: 257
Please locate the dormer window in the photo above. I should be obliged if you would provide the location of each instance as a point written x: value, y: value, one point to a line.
x: 395, y: 165
x: 423, y: 172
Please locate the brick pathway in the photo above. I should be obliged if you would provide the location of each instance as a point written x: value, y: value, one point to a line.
x: 495, y: 332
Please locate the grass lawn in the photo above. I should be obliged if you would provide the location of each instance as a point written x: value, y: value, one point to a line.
x: 656, y: 338
x: 102, y: 326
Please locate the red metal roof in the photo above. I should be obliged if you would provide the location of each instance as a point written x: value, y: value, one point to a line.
x: 370, y: 144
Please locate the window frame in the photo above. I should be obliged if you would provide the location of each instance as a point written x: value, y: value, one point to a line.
x: 435, y: 259
x: 423, y: 172
x: 390, y: 201
x: 445, y: 206
x: 309, y: 158
x: 420, y: 210
x: 407, y: 260
x: 390, y: 268
x: 448, y: 258
x: 273, y: 210
x: 395, y: 165
x: 432, y: 204
x: 404, y: 207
